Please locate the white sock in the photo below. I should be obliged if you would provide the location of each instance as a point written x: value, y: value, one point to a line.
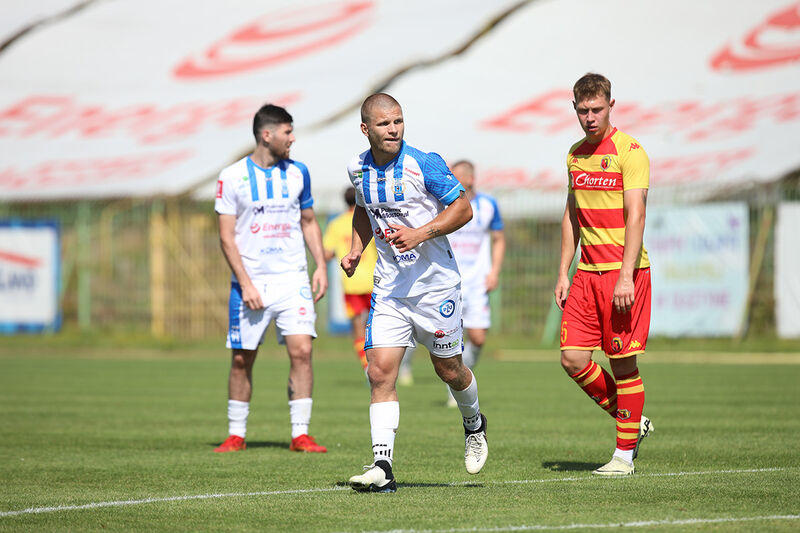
x: 237, y: 417
x: 384, y: 419
x: 625, y: 455
x: 300, y: 416
x: 467, y: 401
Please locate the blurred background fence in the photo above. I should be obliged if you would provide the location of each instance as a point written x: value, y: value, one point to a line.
x: 154, y: 266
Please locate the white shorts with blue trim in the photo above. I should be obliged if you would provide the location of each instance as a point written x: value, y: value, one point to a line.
x: 477, y: 313
x: 433, y: 319
x: 288, y: 302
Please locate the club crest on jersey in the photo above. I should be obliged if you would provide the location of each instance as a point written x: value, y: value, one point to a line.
x: 305, y: 292
x: 399, y: 187
x: 605, y: 162
x: 447, y: 308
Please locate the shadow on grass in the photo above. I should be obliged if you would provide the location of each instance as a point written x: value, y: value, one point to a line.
x: 568, y: 466
x: 259, y: 444
x: 424, y: 485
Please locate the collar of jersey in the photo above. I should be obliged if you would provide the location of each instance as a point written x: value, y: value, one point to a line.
x: 371, y: 162
x: 279, y: 163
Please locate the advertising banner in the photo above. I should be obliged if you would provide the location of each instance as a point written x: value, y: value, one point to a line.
x: 30, y: 265
x: 787, y: 273
x: 699, y: 257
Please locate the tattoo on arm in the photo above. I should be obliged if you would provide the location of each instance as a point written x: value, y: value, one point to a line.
x: 434, y: 232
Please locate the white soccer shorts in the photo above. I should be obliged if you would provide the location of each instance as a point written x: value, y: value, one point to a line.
x: 433, y: 319
x: 477, y: 314
x: 289, y: 303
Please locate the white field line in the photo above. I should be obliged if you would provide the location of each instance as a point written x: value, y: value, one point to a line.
x: 119, y: 503
x: 646, y: 523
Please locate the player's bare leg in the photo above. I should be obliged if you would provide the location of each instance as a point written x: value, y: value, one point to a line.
x: 240, y: 389
x: 464, y: 388
x: 300, y: 385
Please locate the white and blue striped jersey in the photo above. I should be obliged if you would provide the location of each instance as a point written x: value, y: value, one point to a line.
x: 410, y: 190
x: 267, y: 204
x: 472, y: 243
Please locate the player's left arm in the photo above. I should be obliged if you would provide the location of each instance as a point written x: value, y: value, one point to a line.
x: 441, y: 183
x: 313, y: 237
x: 498, y: 253
x: 635, y: 167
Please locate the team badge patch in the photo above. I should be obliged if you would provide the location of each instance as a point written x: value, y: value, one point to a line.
x: 305, y: 292
x: 616, y: 344
x: 399, y: 187
x: 605, y: 162
x: 447, y: 308
x: 623, y: 414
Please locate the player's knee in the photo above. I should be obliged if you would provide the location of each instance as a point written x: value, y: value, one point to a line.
x: 571, y: 363
x: 300, y: 354
x: 242, y: 360
x: 450, y: 370
x: 378, y: 372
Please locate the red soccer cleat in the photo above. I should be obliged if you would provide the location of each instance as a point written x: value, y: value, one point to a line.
x: 234, y: 443
x: 305, y: 443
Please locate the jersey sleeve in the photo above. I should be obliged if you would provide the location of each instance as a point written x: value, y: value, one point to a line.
x: 439, y: 181
x: 225, y: 203
x: 569, y: 176
x: 496, y: 224
x: 306, y: 200
x: 635, y: 166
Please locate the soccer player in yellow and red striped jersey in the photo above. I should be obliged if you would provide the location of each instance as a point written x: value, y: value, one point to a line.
x: 608, y: 305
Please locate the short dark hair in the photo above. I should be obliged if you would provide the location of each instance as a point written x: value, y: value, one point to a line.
x: 269, y: 115
x: 590, y: 86
x: 350, y: 196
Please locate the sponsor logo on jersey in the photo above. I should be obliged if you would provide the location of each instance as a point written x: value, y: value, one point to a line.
x: 271, y: 250
x: 616, y: 345
x: 302, y: 311
x: 305, y: 292
x: 413, y: 173
x: 585, y: 180
x: 605, y: 162
x: 447, y: 308
x: 388, y: 212
x: 438, y: 334
x: 446, y: 345
x: 623, y: 414
x: 219, y: 188
x: 263, y: 209
x: 408, y: 257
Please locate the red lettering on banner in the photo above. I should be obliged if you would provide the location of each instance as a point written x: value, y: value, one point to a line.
x: 61, y: 116
x: 695, y: 121
x: 70, y: 173
x: 776, y: 41
x: 279, y: 37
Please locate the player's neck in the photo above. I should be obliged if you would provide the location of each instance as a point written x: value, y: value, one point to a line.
x: 600, y: 137
x: 262, y: 157
x: 382, y: 158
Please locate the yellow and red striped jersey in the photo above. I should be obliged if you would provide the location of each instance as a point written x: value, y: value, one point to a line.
x: 598, y: 176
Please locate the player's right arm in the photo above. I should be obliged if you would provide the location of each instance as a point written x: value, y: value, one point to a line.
x: 227, y: 239
x: 362, y: 234
x: 570, y: 235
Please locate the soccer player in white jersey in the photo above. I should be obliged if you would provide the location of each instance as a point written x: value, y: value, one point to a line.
x: 479, y: 247
x: 409, y: 201
x: 265, y: 216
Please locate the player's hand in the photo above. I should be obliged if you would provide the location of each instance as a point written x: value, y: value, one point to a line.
x: 492, y: 281
x: 561, y: 291
x: 404, y: 238
x: 319, y: 283
x: 251, y: 297
x: 623, y: 295
x: 350, y: 262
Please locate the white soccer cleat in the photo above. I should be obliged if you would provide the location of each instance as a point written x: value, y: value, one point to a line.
x: 615, y: 468
x: 476, y: 448
x: 645, y: 428
x: 378, y: 477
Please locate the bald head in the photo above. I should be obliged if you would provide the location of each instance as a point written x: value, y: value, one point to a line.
x: 464, y: 171
x: 374, y: 102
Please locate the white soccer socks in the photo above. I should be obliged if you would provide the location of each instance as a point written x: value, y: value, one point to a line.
x: 467, y: 401
x: 300, y: 416
x: 384, y: 419
x: 237, y: 417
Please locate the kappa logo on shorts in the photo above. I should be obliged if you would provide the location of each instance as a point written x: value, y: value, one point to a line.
x: 447, y: 308
x: 305, y: 292
x: 623, y: 414
x: 635, y: 344
x: 616, y: 345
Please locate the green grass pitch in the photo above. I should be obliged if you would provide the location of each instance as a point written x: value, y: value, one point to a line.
x: 122, y: 440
